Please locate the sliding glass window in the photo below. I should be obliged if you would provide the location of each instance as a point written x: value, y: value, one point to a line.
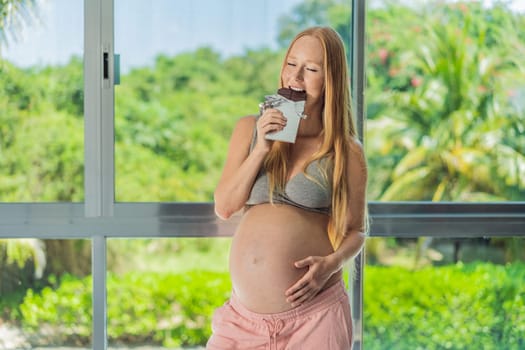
x: 444, y: 140
x: 188, y: 71
x: 445, y: 101
x: 41, y: 101
x: 45, y: 293
x: 41, y: 164
x: 131, y: 253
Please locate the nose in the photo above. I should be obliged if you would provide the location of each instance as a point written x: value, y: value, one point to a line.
x: 298, y: 74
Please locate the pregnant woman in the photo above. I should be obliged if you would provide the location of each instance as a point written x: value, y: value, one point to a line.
x: 304, y: 211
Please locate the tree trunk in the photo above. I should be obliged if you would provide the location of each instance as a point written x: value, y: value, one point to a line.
x: 12, y: 276
x: 67, y: 256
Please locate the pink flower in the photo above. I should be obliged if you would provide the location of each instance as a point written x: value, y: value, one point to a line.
x: 416, y: 81
x: 383, y: 55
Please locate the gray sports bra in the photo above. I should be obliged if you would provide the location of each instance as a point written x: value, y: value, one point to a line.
x: 312, y: 192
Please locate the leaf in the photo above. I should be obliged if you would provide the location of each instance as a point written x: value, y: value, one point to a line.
x: 403, y: 188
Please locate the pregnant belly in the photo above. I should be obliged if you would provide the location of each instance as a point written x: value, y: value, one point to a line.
x: 268, y: 241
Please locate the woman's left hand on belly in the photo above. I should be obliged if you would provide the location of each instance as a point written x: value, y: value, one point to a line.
x: 320, y: 269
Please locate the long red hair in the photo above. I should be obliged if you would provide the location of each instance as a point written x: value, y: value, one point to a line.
x: 338, y: 131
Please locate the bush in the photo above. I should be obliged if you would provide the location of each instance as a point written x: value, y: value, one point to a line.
x: 475, y: 306
x: 164, y: 309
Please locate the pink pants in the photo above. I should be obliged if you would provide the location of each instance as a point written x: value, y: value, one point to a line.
x: 324, y: 323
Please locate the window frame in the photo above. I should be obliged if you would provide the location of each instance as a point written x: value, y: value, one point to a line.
x: 161, y: 220
x: 100, y: 217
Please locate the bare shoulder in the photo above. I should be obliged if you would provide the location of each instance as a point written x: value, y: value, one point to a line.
x: 246, y: 123
x: 357, y: 152
x: 357, y: 166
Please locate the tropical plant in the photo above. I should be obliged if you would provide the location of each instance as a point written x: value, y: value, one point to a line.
x: 333, y: 13
x: 444, y: 114
x: 445, y: 131
x: 444, y: 122
x: 13, y: 15
x: 33, y: 100
x: 471, y: 306
x: 17, y: 255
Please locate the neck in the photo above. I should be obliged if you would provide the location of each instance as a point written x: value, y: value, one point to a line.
x: 311, y: 126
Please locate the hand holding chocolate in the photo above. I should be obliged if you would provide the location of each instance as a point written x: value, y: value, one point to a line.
x: 291, y: 104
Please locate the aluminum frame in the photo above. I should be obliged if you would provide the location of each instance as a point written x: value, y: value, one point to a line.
x: 133, y: 220
x: 357, y: 67
x: 100, y: 218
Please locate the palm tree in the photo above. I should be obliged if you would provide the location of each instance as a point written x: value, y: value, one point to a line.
x: 14, y: 254
x: 22, y: 258
x: 13, y: 15
x: 450, y: 132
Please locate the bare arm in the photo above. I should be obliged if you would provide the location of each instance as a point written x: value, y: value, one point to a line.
x: 321, y: 268
x: 356, y: 226
x: 242, y: 166
x: 239, y: 171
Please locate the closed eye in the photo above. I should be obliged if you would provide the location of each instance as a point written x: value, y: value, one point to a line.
x: 311, y: 69
x: 291, y: 64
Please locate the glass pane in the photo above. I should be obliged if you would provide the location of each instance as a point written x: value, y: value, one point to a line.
x: 190, y: 69
x: 435, y: 293
x: 45, y: 293
x: 41, y: 101
x: 445, y: 100
x: 162, y: 292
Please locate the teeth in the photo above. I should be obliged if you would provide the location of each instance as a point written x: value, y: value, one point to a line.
x: 296, y: 89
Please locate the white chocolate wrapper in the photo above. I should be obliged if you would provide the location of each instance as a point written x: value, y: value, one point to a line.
x: 293, y: 111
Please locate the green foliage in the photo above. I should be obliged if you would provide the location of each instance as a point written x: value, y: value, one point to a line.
x: 256, y: 73
x: 174, y: 310
x: 37, y: 176
x: 305, y: 14
x: 173, y: 121
x: 441, y: 123
x: 443, y: 109
x: 63, y: 86
x: 475, y: 306
x: 22, y: 264
x: 9, y: 303
x: 33, y: 124
x: 17, y: 89
x: 19, y: 251
x: 66, y: 311
x: 444, y: 95
x: 165, y: 309
x: 13, y: 15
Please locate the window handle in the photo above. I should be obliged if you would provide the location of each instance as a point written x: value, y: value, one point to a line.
x: 105, y: 61
x: 105, y: 68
